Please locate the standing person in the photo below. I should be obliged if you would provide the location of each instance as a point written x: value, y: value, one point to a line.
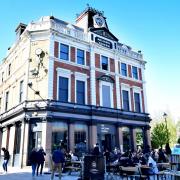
x: 168, y: 151
x: 58, y: 159
x: 6, y: 159
x: 96, y: 151
x: 33, y: 159
x: 40, y: 160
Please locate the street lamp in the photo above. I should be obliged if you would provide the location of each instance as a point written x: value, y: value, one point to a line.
x: 165, y: 118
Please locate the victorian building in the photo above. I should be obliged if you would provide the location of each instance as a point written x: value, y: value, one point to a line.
x: 75, y: 85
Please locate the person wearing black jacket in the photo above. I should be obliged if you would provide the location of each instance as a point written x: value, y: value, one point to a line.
x: 6, y: 159
x: 40, y: 160
x: 33, y: 159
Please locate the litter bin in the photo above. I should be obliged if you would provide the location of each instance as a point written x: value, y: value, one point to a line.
x: 94, y: 167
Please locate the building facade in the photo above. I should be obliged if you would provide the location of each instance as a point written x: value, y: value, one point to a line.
x: 75, y: 85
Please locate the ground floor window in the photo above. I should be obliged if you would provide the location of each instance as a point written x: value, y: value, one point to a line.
x: 106, y: 136
x: 59, y: 135
x: 139, y: 138
x: 126, y: 138
x: 80, y: 138
x: 17, y: 139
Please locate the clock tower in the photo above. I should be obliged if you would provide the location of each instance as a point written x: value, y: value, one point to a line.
x: 91, y: 18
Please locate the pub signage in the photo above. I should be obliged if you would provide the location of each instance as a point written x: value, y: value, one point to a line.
x: 103, y: 42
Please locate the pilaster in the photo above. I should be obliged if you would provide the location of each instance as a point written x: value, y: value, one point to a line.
x: 71, y: 136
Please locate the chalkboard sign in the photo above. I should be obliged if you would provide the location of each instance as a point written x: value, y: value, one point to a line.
x: 94, y: 167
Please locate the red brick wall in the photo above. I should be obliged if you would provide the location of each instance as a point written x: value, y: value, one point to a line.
x: 131, y: 83
x: 56, y: 49
x: 87, y: 58
x: 73, y: 54
x: 112, y: 65
x: 129, y: 71
x: 140, y: 74
x: 97, y: 60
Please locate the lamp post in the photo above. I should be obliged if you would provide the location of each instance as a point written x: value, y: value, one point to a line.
x: 165, y: 118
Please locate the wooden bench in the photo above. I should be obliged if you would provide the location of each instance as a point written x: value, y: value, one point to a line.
x: 72, y: 168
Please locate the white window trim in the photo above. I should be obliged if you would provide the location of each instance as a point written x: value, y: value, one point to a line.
x: 69, y: 53
x: 137, y: 90
x: 126, y: 69
x: 84, y: 56
x: 126, y: 87
x: 101, y: 63
x: 111, y: 93
x: 133, y: 74
x: 81, y: 77
x: 67, y: 74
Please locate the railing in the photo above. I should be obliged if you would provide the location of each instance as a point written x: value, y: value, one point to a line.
x: 129, y: 53
x: 45, y: 25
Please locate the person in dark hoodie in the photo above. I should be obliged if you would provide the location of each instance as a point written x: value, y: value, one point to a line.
x: 40, y: 160
x: 6, y: 159
x: 33, y: 159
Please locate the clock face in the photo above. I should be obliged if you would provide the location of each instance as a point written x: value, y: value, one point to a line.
x: 98, y: 20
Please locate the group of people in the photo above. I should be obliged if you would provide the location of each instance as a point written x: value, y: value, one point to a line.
x: 37, y: 160
x: 147, y: 156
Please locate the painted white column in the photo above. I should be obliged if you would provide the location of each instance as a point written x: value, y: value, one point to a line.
x: 120, y: 139
x: 47, y: 139
x: 26, y: 144
x: 92, y: 135
x: 11, y: 143
x: 144, y: 87
x: 117, y: 82
x: 71, y: 136
x: 22, y: 144
x: 133, y: 138
x: 92, y: 76
x: 51, y: 67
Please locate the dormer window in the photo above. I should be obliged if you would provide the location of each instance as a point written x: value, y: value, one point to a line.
x: 104, y: 63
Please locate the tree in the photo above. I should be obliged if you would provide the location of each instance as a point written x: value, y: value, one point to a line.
x: 160, y: 135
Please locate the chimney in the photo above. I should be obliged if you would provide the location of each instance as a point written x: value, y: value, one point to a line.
x: 19, y: 30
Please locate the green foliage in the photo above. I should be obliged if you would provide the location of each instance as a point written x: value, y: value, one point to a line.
x: 139, y: 138
x: 160, y: 135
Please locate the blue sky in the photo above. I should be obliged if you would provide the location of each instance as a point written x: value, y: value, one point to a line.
x: 151, y: 26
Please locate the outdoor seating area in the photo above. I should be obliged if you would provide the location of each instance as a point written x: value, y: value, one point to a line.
x: 148, y: 165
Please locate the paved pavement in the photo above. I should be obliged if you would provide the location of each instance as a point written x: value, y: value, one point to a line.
x: 21, y: 174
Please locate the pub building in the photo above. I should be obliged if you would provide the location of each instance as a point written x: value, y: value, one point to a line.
x: 74, y: 85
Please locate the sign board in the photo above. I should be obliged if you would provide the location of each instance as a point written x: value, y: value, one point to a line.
x: 103, y: 42
x: 94, y: 167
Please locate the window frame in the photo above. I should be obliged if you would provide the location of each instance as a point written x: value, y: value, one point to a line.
x: 123, y: 69
x: 126, y: 87
x: 81, y: 92
x: 84, y: 53
x: 67, y: 74
x: 124, y: 100
x: 68, y: 52
x: 138, y: 102
x: 133, y: 74
x: 138, y: 90
x: 111, y: 93
x: 6, y: 101
x: 81, y: 77
x: 107, y: 62
x: 21, y: 92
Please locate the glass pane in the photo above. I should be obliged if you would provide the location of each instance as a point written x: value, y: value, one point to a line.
x: 135, y: 74
x: 64, y: 51
x: 104, y: 61
x: 80, y: 92
x: 106, y: 98
x: 137, y: 102
x: 123, y: 69
x: 80, y: 56
x: 63, y: 89
x: 125, y: 100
